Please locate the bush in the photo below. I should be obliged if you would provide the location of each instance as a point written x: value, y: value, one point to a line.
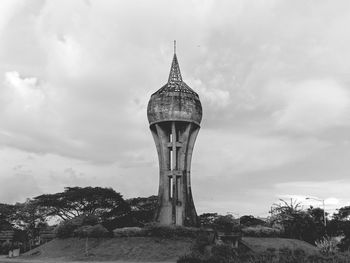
x: 130, y: 232
x: 98, y: 231
x: 91, y: 231
x: 166, y: 231
x: 191, y: 258
x: 327, y: 245
x: 67, y: 228
x: 82, y: 231
x: 226, y: 224
x: 89, y: 220
x: 261, y: 231
x: 5, y: 247
x: 222, y: 254
x: 202, y: 241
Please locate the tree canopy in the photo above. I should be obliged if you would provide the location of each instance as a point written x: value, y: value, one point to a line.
x: 76, y: 201
x: 143, y: 209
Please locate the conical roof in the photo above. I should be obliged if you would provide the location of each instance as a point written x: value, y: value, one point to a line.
x: 175, y: 82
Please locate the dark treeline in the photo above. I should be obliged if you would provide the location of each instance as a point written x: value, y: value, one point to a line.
x: 76, y: 206
x: 105, y: 209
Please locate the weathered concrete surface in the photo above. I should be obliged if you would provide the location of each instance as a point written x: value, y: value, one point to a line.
x: 174, y: 106
x: 174, y: 113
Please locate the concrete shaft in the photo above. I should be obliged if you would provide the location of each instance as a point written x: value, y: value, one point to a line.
x: 175, y: 141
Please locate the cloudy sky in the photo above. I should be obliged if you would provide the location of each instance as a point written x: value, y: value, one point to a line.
x: 273, y: 78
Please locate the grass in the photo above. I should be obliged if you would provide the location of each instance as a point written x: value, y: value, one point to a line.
x: 261, y: 244
x: 142, y: 249
x: 135, y: 249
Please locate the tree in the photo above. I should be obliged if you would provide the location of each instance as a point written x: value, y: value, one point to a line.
x: 207, y: 219
x: 251, y: 221
x: 29, y: 215
x: 225, y: 223
x: 298, y: 223
x: 6, y: 216
x: 340, y: 225
x: 105, y: 203
x: 143, y: 209
x: 28, y: 219
x: 343, y: 214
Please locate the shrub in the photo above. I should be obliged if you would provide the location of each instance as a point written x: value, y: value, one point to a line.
x: 166, y: 231
x: 89, y: 220
x: 327, y: 245
x: 82, y: 231
x: 226, y: 223
x: 190, y: 258
x: 202, y: 241
x: 130, y: 232
x: 98, y: 231
x: 91, y: 231
x: 222, y: 253
x: 66, y: 229
x: 261, y: 231
x: 5, y: 247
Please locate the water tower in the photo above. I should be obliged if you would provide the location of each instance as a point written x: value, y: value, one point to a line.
x: 174, y: 113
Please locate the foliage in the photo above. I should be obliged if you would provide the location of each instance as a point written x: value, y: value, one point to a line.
x: 190, y: 258
x: 340, y: 226
x: 261, y: 231
x: 76, y: 201
x: 297, y: 223
x: 207, y: 219
x: 327, y: 245
x: 143, y: 209
x: 171, y: 231
x: 67, y: 228
x: 6, y: 216
x: 226, y: 254
x: 342, y: 214
x: 251, y: 221
x: 25, y: 219
x: 226, y: 224
x: 203, y: 240
x: 130, y: 232
x: 29, y: 217
x: 222, y: 253
x: 223, y: 223
x: 5, y: 247
x: 96, y: 231
x: 284, y: 211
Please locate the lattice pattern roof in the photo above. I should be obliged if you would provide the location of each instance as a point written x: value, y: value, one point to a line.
x: 175, y: 82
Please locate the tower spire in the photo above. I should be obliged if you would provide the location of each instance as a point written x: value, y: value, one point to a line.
x: 175, y: 74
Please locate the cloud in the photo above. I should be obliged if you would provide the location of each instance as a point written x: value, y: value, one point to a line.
x: 18, y: 187
x: 313, y: 105
x: 26, y: 95
x: 8, y: 9
x: 272, y: 78
x: 212, y: 96
x: 241, y: 153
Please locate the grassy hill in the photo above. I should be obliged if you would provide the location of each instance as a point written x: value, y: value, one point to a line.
x: 149, y: 249
x: 146, y: 249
